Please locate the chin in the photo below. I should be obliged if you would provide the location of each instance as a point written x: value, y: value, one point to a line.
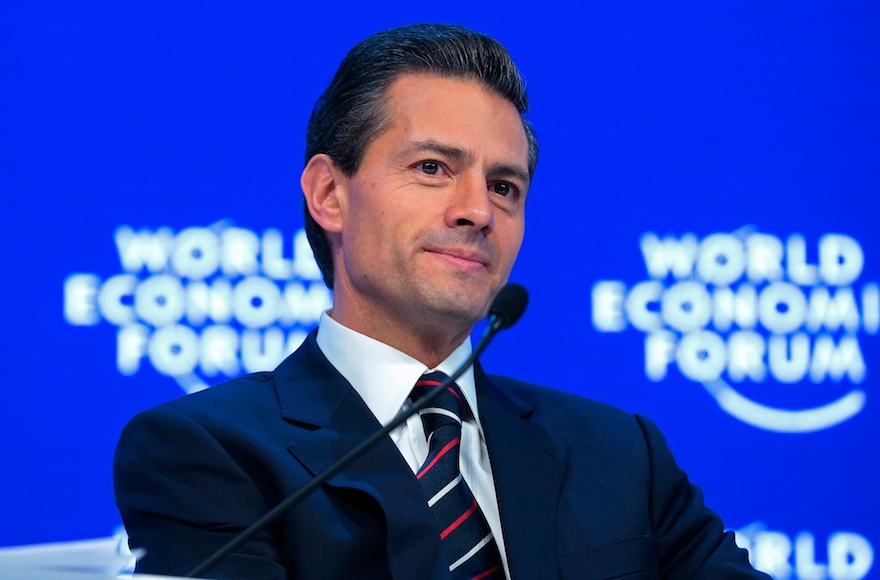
x: 465, y: 307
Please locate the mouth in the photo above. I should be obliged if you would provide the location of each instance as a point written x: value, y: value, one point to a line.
x: 461, y: 257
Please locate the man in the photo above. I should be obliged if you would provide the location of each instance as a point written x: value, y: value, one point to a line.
x: 418, y: 166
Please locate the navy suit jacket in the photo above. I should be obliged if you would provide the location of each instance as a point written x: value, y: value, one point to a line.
x: 584, y: 490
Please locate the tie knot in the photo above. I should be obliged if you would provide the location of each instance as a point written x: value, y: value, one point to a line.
x: 451, y: 399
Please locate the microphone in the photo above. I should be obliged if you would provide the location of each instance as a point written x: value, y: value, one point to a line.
x: 506, y: 309
x: 508, y: 306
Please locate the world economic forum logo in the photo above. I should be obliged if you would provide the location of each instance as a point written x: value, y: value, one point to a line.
x: 739, y: 309
x: 203, y: 301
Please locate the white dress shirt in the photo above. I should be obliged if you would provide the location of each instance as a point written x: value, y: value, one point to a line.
x: 384, y: 377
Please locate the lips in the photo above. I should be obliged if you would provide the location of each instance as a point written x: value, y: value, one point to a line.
x: 463, y: 257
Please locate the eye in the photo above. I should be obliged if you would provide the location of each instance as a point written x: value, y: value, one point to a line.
x: 503, y: 188
x: 429, y: 167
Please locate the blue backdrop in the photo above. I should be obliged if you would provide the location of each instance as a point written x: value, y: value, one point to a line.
x: 701, y: 243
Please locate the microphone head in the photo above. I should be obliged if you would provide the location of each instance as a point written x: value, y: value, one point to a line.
x: 509, y: 305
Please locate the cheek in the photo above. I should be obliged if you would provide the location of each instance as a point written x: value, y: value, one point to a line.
x: 513, y: 238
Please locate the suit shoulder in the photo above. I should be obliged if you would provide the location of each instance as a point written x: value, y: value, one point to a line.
x: 569, y: 412
x: 539, y: 397
x: 250, y: 395
x: 240, y: 418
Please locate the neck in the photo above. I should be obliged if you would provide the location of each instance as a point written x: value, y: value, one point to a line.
x: 428, y: 343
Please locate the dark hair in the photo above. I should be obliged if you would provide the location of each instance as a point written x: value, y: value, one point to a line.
x: 352, y: 111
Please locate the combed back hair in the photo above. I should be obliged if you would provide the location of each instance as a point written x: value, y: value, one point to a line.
x: 353, y: 110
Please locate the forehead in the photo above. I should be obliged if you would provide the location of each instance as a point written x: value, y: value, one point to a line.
x: 460, y: 112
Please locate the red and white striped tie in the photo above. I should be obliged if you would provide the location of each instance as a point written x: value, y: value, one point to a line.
x: 465, y: 535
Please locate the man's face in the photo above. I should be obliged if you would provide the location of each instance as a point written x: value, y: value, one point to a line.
x: 433, y: 219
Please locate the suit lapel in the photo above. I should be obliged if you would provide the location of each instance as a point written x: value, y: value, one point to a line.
x: 528, y: 464
x: 335, y: 419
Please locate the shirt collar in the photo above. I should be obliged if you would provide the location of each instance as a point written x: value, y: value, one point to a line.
x: 382, y: 375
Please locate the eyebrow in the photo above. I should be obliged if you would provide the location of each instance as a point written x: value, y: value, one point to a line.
x: 510, y: 171
x: 456, y: 153
x: 467, y: 158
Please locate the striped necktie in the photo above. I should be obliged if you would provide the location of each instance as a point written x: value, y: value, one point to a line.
x: 464, y: 533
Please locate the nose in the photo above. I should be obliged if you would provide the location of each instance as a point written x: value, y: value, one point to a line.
x: 470, y: 206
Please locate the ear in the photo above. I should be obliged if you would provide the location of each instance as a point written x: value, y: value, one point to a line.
x: 324, y: 187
